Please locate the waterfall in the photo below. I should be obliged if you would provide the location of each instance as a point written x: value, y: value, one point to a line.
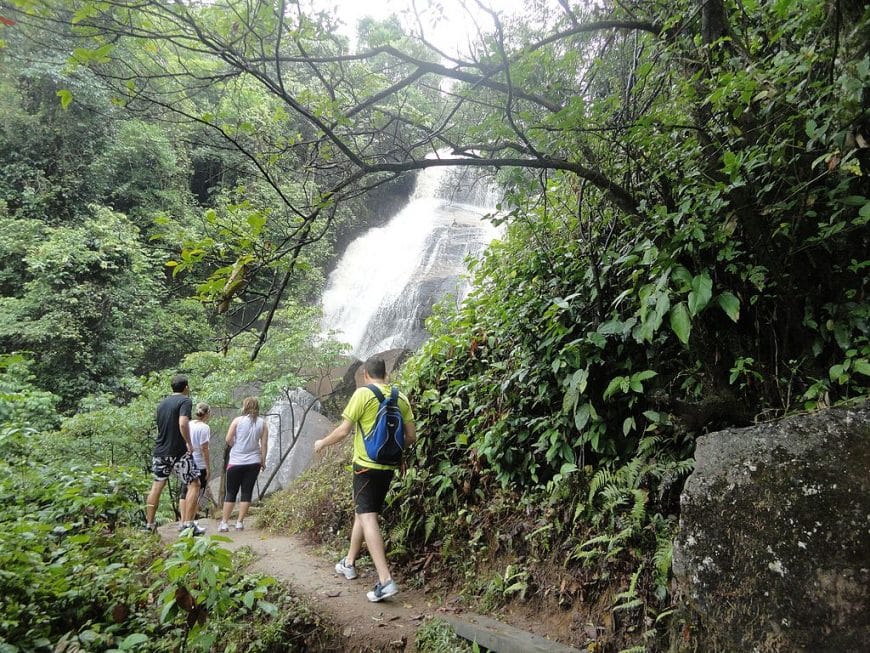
x: 384, y: 286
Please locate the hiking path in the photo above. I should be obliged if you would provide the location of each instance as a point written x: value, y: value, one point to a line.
x: 390, y: 624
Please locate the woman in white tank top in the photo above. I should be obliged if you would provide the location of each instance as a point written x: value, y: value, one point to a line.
x: 248, y: 437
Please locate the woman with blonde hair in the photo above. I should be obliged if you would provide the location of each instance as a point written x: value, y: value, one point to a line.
x: 200, y: 434
x: 248, y: 439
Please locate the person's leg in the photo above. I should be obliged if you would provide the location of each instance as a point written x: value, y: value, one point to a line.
x: 243, y: 511
x: 228, y: 511
x: 188, y: 474
x: 182, y: 497
x: 370, y: 488
x: 374, y: 543
x: 234, y: 481
x: 152, y: 501
x: 161, y: 468
x: 356, y: 540
x: 249, y: 479
x: 190, y: 506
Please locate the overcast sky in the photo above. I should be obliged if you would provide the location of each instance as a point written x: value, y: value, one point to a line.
x: 448, y: 29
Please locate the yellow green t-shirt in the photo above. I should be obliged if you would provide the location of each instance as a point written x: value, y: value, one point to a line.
x: 361, y: 411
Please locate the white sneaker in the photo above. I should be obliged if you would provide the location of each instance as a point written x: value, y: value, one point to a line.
x: 240, y: 526
x: 348, y: 571
x: 381, y: 592
x: 223, y: 527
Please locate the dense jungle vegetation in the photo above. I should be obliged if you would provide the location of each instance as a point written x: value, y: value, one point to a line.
x: 685, y: 248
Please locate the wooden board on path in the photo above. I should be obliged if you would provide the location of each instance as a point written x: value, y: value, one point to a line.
x: 500, y: 637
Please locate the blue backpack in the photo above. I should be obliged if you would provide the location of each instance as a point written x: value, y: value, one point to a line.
x: 386, y: 441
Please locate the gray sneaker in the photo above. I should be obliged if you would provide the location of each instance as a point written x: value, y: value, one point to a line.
x: 192, y: 529
x: 348, y: 571
x: 381, y: 592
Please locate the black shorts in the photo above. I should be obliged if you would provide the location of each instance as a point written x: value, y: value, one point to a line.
x: 202, y: 478
x: 370, y: 488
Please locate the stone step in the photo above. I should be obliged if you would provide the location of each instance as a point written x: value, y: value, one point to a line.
x: 500, y: 637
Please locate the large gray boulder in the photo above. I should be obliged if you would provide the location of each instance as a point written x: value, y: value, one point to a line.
x: 773, y: 552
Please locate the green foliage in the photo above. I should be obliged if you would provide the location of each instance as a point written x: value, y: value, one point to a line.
x: 202, y: 580
x: 736, y: 288
x: 597, y: 342
x: 54, y: 522
x: 81, y: 291
x: 293, y: 356
x: 513, y: 583
x: 21, y: 402
x: 436, y: 636
x: 75, y: 579
x: 141, y: 173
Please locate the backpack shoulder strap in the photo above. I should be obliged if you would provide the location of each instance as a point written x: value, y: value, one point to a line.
x: 378, y: 394
x: 394, y: 395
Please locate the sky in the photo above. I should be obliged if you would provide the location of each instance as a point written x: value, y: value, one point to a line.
x: 450, y: 31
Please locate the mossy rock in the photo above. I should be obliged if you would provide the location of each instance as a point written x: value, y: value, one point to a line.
x: 774, y: 548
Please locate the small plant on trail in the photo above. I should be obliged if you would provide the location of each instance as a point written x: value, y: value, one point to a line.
x: 204, y: 580
x: 437, y: 636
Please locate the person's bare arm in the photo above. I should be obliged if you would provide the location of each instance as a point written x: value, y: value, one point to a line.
x: 338, y: 434
x: 231, y: 433
x: 264, y: 444
x: 410, y: 433
x: 184, y: 427
x: 205, y: 457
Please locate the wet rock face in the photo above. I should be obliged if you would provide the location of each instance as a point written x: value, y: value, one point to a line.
x: 774, y: 546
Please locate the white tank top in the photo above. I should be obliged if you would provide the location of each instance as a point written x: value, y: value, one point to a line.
x: 246, y: 449
x: 199, y: 433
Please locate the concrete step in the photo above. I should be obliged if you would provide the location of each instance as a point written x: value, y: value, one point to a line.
x: 500, y: 637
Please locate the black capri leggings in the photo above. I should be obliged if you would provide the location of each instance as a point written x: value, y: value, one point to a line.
x: 243, y: 476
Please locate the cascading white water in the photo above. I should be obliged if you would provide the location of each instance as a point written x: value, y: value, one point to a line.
x: 383, y: 288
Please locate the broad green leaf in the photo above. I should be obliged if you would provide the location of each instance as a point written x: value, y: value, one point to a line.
x: 730, y: 304
x: 681, y: 322
x: 131, y: 641
x: 621, y: 383
x: 637, y: 379
x: 699, y: 296
x: 581, y: 417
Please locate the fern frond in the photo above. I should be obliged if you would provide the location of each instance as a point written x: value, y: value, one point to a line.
x: 429, y: 527
x: 663, y: 557
x: 638, y: 510
x: 602, y: 477
x: 647, y: 445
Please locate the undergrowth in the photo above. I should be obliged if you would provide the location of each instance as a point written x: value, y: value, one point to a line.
x: 318, y: 507
x: 437, y: 636
x: 77, y: 577
x: 595, y: 545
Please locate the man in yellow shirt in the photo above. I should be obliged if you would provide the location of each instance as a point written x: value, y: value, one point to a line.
x: 371, y: 480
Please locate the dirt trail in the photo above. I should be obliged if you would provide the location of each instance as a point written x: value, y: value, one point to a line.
x: 388, y: 625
